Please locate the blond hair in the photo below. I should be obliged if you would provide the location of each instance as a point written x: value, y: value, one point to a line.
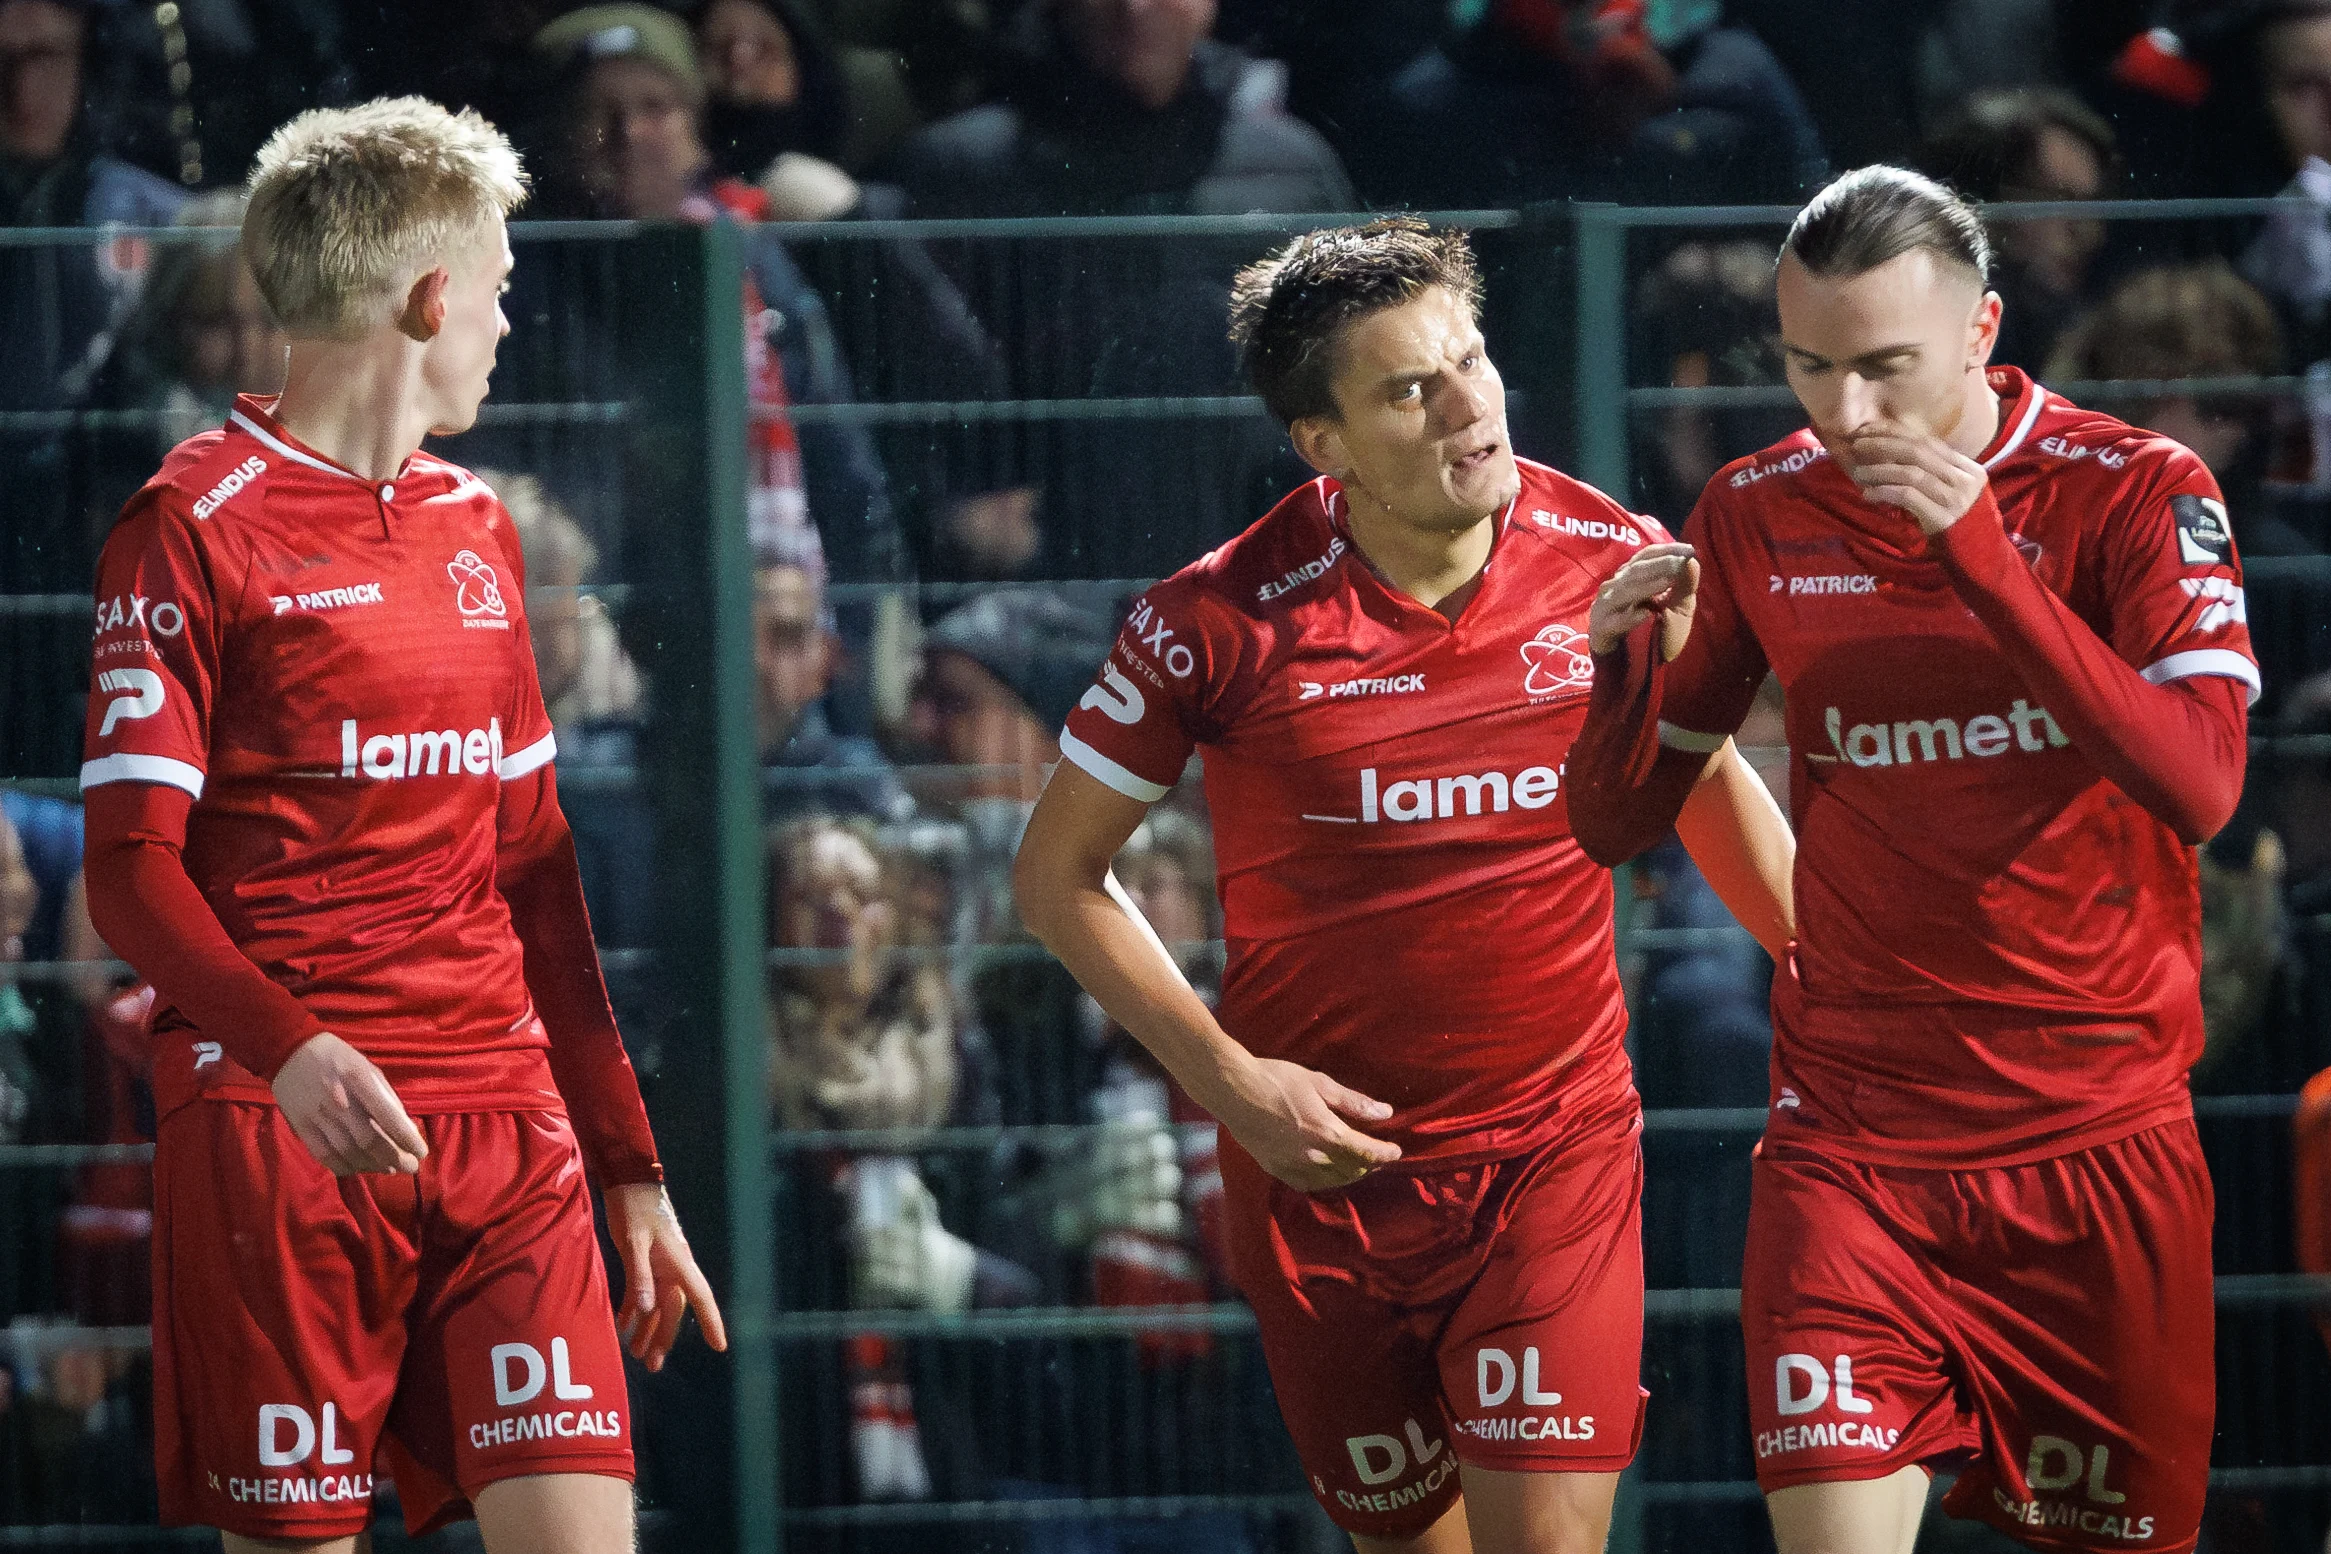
x: 350, y: 206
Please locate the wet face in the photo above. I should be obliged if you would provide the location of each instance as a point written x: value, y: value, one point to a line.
x: 2296, y: 58
x: 1142, y: 45
x: 748, y: 55
x: 793, y: 656
x: 1901, y: 346
x: 634, y: 139
x: 458, y: 360
x: 1420, y: 416
x: 40, y: 78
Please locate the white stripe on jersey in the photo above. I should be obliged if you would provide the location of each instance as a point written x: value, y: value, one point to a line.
x: 141, y: 768
x: 529, y: 759
x: 1684, y: 739
x: 2031, y: 413
x: 1098, y: 766
x: 2224, y: 662
x: 284, y: 448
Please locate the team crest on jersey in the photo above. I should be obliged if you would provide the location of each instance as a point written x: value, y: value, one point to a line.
x: 1558, y: 660
x: 2203, y: 537
x: 476, y: 590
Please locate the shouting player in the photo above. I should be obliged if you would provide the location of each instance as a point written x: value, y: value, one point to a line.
x: 2011, y: 635
x: 1432, y: 1167
x: 322, y: 822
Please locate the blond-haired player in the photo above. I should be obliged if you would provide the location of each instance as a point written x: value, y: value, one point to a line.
x: 322, y: 822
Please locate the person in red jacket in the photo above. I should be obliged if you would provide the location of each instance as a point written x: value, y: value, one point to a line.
x: 2012, y: 639
x: 322, y: 822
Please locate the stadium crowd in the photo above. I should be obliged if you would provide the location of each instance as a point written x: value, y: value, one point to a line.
x: 904, y: 743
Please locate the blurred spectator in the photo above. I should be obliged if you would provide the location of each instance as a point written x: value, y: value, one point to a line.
x: 630, y: 98
x: 807, y: 766
x: 84, y: 1425
x: 2030, y: 143
x: 1705, y: 318
x: 56, y: 300
x: 2192, y: 321
x: 946, y: 48
x: 198, y: 335
x: 1584, y: 99
x: 1111, y: 108
x: 2291, y: 258
x: 779, y: 88
x: 1981, y: 45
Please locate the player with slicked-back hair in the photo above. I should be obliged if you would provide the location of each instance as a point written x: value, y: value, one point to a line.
x: 2012, y: 639
x: 323, y: 823
x: 1431, y: 1171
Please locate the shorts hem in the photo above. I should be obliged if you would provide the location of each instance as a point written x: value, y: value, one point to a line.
x: 307, y: 1530
x: 600, y: 1464
x: 2044, y: 1542
x: 1501, y: 1462
x: 1858, y: 1472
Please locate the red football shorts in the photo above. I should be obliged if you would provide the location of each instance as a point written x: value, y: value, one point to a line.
x: 2048, y: 1325
x: 1488, y: 1314
x: 453, y: 1326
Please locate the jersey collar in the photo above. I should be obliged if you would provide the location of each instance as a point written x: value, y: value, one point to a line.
x: 2020, y: 403
x: 254, y: 417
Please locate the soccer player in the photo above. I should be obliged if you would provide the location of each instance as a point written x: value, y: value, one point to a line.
x: 1432, y: 1166
x: 322, y: 822
x: 2011, y: 635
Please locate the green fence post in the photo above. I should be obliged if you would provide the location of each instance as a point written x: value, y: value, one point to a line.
x: 1602, y: 350
x: 683, y: 347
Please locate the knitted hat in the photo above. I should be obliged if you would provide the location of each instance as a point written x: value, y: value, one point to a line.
x: 596, y: 32
x: 1046, y: 648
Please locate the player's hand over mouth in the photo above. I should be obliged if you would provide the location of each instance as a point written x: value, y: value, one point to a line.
x: 1658, y: 580
x: 660, y: 1276
x: 1291, y: 1119
x: 1920, y: 473
x: 344, y: 1110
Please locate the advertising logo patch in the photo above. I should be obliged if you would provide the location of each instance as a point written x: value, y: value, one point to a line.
x: 2204, y: 539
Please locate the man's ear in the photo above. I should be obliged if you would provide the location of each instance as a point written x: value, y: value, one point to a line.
x: 1983, y: 330
x: 1319, y: 442
x: 424, y: 312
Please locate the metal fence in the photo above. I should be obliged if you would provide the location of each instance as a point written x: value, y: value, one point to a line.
x: 1040, y: 401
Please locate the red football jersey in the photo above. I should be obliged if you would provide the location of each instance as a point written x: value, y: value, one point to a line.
x: 1998, y: 952
x: 1404, y: 905
x: 339, y: 671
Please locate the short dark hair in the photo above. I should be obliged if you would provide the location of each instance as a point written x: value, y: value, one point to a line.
x: 1990, y: 142
x: 1287, y: 309
x: 1873, y: 214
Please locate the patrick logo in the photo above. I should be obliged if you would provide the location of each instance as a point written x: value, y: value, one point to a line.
x: 475, y: 588
x: 1559, y: 660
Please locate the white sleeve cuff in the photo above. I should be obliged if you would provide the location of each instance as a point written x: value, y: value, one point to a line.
x: 141, y: 768
x: 1684, y: 739
x: 533, y: 756
x: 1099, y: 767
x: 2224, y: 662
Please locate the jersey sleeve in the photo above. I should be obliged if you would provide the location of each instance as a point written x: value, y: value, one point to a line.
x: 1147, y: 708
x: 1713, y: 680
x: 155, y: 658
x: 2174, y: 581
x: 527, y: 742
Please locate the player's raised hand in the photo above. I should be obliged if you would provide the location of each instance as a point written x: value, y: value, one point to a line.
x: 1292, y: 1120
x: 343, y: 1109
x: 1918, y: 472
x: 1661, y: 580
x: 660, y: 1276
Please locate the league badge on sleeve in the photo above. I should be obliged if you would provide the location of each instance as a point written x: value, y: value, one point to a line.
x: 2204, y: 539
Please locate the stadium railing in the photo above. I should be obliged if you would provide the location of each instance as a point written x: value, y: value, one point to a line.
x: 1143, y: 462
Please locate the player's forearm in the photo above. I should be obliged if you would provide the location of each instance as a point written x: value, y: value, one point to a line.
x: 1625, y: 789
x: 1741, y: 842
x: 149, y: 912
x: 2177, y: 749
x: 539, y: 880
x: 1115, y: 956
